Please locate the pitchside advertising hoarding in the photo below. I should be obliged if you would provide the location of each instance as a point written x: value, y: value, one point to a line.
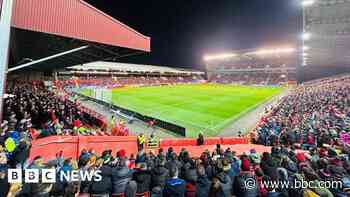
x: 52, y: 175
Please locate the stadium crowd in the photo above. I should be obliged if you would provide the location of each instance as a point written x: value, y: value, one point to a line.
x: 314, y: 117
x: 259, y: 78
x: 131, y: 80
x: 314, y: 114
x: 220, y: 173
x: 32, y: 111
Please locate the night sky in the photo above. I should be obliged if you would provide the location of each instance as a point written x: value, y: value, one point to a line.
x: 182, y: 31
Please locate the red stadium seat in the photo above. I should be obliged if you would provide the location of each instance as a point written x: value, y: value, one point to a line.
x: 145, y: 194
x: 234, y: 140
x: 118, y: 195
x: 212, y: 141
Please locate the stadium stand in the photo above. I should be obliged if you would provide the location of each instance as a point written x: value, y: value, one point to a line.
x: 214, y: 173
x: 113, y: 74
x: 46, y: 113
x: 259, y: 78
x: 303, y: 138
x: 254, y: 67
x: 315, y: 113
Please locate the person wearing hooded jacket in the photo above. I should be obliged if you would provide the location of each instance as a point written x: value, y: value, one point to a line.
x: 202, y: 183
x: 121, y: 175
x: 191, y: 177
x: 269, y: 166
x: 21, y: 153
x: 103, y: 187
x: 159, y: 174
x: 222, y: 183
x: 142, y: 177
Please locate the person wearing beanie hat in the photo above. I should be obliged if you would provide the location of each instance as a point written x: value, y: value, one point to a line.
x: 228, y: 170
x: 121, y: 175
x: 121, y: 153
x: 300, y: 157
x: 222, y: 181
x: 254, y: 157
x: 104, y: 186
x: 252, y: 151
x: 245, y: 166
x: 239, y: 184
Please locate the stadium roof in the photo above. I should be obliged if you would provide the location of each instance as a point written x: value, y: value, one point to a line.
x: 126, y: 67
x: 46, y: 27
x: 327, y: 28
x: 271, y: 56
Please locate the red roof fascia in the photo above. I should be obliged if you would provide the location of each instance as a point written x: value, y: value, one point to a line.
x: 76, y: 19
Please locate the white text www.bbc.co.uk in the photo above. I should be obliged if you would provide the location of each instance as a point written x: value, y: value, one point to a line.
x: 251, y: 183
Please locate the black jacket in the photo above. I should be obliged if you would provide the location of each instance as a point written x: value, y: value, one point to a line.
x: 202, y: 186
x: 225, y: 185
x: 105, y: 185
x: 21, y: 153
x: 120, y: 179
x: 143, y: 180
x: 240, y: 187
x: 270, y: 168
x: 159, y: 175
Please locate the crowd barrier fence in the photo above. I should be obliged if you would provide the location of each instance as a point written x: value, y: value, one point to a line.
x: 71, y: 146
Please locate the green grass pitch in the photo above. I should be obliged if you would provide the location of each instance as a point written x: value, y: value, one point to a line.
x: 206, y: 108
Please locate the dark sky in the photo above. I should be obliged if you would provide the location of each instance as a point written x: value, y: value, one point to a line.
x: 182, y: 31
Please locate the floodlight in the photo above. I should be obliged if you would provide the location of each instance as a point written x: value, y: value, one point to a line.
x: 305, y: 48
x: 273, y: 51
x: 306, y: 36
x: 219, y: 56
x: 305, y: 54
x: 307, y: 3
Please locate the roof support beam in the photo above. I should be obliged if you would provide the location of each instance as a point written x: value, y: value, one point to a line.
x: 5, y: 29
x: 107, y: 50
x: 46, y: 58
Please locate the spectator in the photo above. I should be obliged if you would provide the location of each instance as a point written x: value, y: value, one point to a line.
x: 141, y: 139
x: 202, y: 183
x: 200, y: 139
x: 222, y: 184
x: 160, y: 174
x: 174, y: 187
x: 142, y: 177
x: 103, y: 187
x: 246, y: 175
x: 121, y: 175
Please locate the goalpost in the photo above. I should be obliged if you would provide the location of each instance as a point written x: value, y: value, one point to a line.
x: 103, y: 94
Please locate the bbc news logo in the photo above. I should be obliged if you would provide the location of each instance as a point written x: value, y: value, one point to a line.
x: 51, y: 175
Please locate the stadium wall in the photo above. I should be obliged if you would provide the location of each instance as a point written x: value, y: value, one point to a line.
x: 71, y: 146
x: 30, y: 76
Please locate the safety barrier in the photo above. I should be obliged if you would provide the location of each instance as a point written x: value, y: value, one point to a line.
x: 207, y: 141
x: 71, y: 146
x: 101, y: 120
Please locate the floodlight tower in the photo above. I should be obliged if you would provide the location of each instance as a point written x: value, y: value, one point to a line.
x: 305, y: 35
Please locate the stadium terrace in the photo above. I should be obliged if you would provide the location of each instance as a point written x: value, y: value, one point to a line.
x: 88, y: 108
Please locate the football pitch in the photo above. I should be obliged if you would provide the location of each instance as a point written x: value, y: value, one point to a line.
x: 206, y: 108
